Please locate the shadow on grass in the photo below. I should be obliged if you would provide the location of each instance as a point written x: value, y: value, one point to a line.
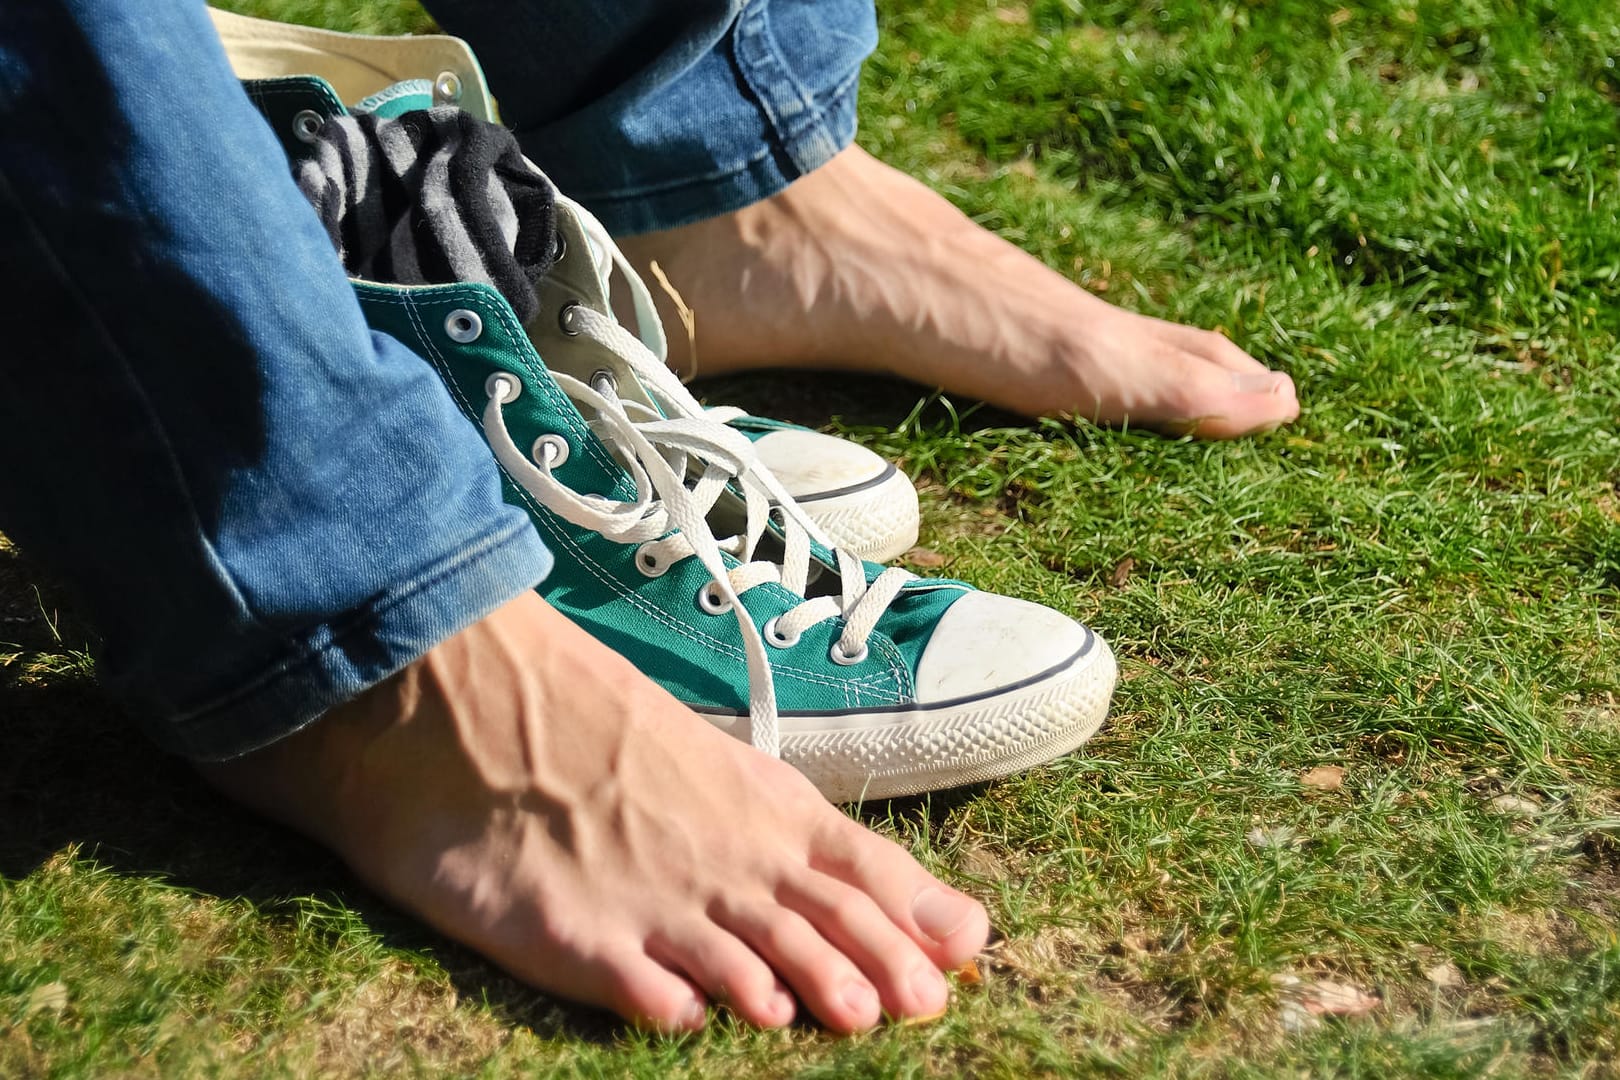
x: 75, y: 771
x: 813, y: 398
x: 924, y: 813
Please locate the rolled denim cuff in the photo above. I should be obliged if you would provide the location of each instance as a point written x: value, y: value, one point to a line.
x: 711, y: 105
x: 804, y: 128
x: 807, y: 136
x: 334, y: 661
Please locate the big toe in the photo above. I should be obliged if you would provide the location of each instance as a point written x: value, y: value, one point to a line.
x: 1215, y: 402
x: 952, y: 925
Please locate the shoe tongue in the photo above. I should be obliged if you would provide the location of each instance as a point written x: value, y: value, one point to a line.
x: 632, y: 294
x: 431, y: 196
x: 581, y: 275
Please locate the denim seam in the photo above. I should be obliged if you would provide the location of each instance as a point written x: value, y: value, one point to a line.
x: 792, y: 112
x: 346, y: 626
x: 809, y: 112
x: 706, y: 180
x: 814, y: 118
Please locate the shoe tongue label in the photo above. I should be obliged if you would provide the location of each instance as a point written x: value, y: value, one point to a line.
x: 400, y: 98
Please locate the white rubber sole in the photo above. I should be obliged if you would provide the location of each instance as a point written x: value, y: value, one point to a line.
x: 878, y: 522
x: 857, y: 756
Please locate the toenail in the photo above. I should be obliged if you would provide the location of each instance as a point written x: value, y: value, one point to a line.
x: 939, y: 914
x: 781, y: 1006
x: 861, y: 1000
x: 1259, y: 382
x: 694, y: 1015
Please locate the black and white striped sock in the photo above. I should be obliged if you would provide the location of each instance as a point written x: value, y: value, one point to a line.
x: 432, y: 197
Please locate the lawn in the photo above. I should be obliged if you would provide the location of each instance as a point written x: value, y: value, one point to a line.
x: 1357, y: 809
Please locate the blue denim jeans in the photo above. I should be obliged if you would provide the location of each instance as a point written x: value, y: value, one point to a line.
x: 655, y: 114
x: 265, y: 507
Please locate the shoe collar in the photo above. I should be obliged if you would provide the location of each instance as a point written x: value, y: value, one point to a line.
x: 358, y: 67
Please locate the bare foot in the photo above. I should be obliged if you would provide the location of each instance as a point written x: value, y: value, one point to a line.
x: 859, y: 267
x: 524, y: 790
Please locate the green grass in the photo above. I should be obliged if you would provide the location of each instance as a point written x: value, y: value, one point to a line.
x: 1412, y: 208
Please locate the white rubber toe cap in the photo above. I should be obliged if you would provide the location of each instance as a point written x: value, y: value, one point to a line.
x: 864, y: 504
x: 812, y: 465
x: 986, y: 642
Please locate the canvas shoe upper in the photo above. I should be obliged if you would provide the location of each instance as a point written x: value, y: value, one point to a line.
x: 859, y: 500
x: 872, y: 682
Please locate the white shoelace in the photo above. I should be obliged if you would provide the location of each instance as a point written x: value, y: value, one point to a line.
x: 660, y: 453
x: 607, y: 258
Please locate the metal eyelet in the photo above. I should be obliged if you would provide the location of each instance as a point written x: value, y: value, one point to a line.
x: 550, y: 451
x: 839, y: 656
x: 447, y: 88
x: 603, y: 382
x: 559, y: 246
x: 775, y: 639
x: 711, y: 600
x: 648, y: 563
x: 307, y: 125
x: 463, y: 327
x: 568, y: 319
x: 503, y: 387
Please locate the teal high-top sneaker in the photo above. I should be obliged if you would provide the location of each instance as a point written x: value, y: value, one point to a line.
x: 856, y: 497
x: 872, y: 682
x: 679, y: 549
